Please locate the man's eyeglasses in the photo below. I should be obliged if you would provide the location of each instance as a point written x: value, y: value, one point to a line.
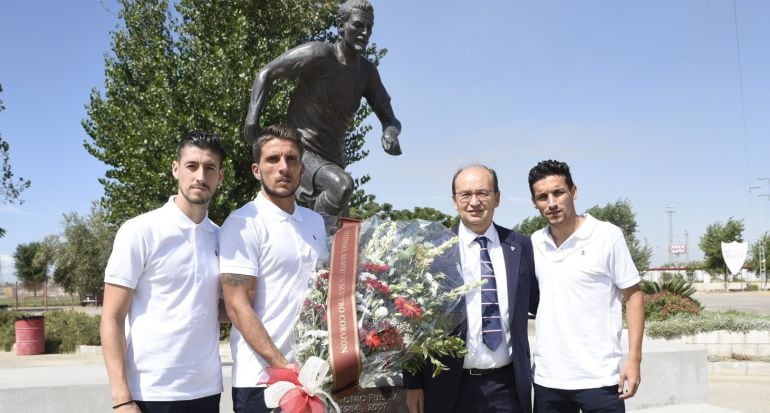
x: 482, y: 195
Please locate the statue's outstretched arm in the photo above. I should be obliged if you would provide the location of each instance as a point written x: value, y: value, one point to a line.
x: 379, y: 100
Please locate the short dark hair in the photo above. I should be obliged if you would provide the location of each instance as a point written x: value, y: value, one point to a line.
x: 277, y: 131
x: 547, y: 168
x: 346, y: 9
x: 490, y: 170
x: 202, y: 140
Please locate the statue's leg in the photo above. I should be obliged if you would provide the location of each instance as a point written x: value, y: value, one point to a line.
x: 336, y: 188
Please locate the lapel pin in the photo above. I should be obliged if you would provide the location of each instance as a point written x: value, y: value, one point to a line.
x: 513, y: 248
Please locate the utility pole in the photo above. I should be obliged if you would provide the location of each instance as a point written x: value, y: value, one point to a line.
x: 763, y: 231
x: 670, y: 211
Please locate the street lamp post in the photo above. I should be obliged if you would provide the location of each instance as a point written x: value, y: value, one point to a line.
x: 670, y: 211
x: 763, y: 232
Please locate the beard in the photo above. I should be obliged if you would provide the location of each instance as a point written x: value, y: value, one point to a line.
x: 289, y: 193
x: 195, y: 200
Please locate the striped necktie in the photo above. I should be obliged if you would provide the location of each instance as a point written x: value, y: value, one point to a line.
x: 491, y: 326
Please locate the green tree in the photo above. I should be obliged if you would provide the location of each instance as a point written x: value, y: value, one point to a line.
x: 10, y: 188
x: 31, y: 272
x: 190, y: 67
x: 619, y: 213
x: 711, y: 244
x: 756, y: 247
x: 385, y: 211
x: 530, y: 225
x: 81, y: 252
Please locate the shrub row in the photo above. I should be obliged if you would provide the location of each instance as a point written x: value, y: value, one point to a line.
x: 689, y: 324
x: 665, y: 304
x: 64, y: 330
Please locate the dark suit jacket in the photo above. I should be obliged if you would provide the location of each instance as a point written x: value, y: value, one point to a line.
x: 523, y: 296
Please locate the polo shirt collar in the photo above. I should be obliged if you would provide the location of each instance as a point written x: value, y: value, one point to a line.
x: 273, y: 211
x: 586, y: 228
x: 175, y: 215
x: 583, y: 232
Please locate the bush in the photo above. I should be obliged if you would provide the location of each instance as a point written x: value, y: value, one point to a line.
x: 752, y: 287
x: 665, y: 304
x: 688, y: 324
x: 66, y: 330
x: 224, y: 331
x: 677, y: 286
x: 8, y: 329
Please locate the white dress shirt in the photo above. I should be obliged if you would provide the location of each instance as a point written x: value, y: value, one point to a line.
x: 479, y: 356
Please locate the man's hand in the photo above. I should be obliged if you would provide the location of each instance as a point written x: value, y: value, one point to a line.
x: 415, y: 400
x: 630, y: 379
x: 390, y: 141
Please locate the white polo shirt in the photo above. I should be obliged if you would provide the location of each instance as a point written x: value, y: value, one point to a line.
x: 479, y: 356
x: 282, y: 251
x: 579, y: 319
x: 172, y: 332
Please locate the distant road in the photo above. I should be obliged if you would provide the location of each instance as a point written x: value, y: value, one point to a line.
x: 746, y: 301
x: 757, y: 302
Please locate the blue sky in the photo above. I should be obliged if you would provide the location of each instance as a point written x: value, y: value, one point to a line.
x: 646, y: 100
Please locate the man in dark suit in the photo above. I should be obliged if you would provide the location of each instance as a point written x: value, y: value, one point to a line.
x: 495, y: 374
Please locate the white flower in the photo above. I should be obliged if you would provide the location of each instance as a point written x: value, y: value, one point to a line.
x: 381, y: 312
x: 366, y: 275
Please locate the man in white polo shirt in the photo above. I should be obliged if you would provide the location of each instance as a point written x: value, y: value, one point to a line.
x: 269, y: 248
x: 162, y: 281
x: 584, y: 269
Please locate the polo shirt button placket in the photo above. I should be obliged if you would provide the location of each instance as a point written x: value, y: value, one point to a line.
x: 197, y: 252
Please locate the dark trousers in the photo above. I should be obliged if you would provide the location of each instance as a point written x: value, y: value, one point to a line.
x: 600, y: 400
x: 249, y: 400
x: 492, y: 392
x: 208, y: 404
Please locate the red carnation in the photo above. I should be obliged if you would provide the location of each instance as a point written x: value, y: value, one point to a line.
x: 391, y: 339
x: 388, y: 339
x: 408, y: 308
x: 383, y: 268
x: 374, y: 268
x: 378, y: 286
x: 372, y: 340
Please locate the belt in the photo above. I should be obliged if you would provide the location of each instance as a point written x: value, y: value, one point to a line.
x: 486, y: 372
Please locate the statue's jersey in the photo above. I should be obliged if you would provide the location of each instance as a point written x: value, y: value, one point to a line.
x: 327, y: 96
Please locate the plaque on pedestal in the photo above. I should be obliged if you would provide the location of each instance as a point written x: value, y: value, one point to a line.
x: 375, y: 399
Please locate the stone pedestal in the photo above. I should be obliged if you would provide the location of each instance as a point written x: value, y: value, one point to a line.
x: 378, y: 399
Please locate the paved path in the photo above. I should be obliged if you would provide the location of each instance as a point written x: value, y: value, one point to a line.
x: 747, y: 301
x: 727, y: 394
x: 748, y: 394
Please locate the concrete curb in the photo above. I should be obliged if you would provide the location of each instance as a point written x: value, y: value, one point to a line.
x: 739, y: 368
